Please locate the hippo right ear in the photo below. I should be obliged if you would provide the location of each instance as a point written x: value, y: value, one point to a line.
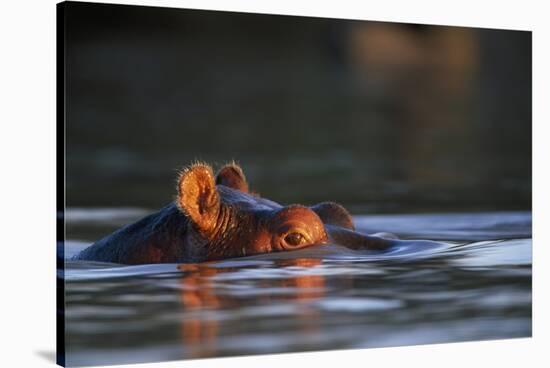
x: 232, y: 176
x: 198, y: 197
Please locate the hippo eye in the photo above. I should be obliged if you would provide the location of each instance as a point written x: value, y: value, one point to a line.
x: 294, y: 239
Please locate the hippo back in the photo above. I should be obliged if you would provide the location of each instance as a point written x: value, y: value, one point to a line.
x: 157, y: 238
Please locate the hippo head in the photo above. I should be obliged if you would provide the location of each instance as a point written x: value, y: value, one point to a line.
x: 227, y: 220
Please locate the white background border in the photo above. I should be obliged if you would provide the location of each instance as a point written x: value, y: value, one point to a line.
x: 27, y: 144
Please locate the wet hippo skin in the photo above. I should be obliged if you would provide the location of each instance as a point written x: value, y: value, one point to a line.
x: 217, y: 217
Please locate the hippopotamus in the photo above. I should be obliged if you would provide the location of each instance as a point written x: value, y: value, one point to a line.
x: 215, y: 217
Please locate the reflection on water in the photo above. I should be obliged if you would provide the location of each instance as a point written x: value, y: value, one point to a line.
x: 199, y: 293
x: 319, y: 298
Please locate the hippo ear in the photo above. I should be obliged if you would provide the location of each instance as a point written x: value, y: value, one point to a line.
x: 232, y: 176
x: 198, y: 197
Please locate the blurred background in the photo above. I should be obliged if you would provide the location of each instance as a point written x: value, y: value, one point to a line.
x: 381, y: 117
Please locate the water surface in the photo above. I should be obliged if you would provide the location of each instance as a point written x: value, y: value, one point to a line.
x: 475, y: 285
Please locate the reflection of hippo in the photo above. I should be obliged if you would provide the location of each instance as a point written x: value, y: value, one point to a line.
x: 217, y: 218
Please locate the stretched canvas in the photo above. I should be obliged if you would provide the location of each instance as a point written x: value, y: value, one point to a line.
x: 240, y: 184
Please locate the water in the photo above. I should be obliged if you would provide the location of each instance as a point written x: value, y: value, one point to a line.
x: 475, y: 285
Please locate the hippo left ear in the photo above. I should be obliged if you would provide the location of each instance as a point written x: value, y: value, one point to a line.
x: 232, y: 176
x: 198, y: 197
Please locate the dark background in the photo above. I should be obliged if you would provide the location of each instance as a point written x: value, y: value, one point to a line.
x: 381, y: 117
